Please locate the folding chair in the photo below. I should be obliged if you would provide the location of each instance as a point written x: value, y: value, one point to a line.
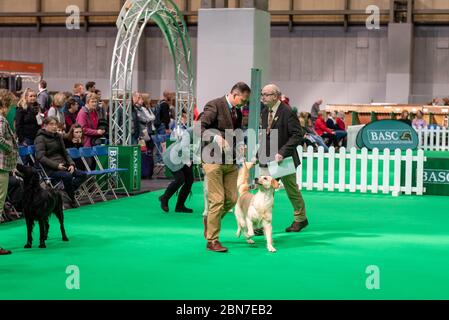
x: 85, y: 189
x: 104, y: 175
x: 95, y: 175
x: 23, y: 153
x: 41, y: 171
x: 114, y: 181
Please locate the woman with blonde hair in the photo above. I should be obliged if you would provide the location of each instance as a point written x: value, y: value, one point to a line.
x: 56, y: 109
x: 88, y: 119
x: 302, y: 119
x: 28, y: 118
x: 22, y: 100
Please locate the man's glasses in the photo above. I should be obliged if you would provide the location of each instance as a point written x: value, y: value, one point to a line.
x: 267, y: 94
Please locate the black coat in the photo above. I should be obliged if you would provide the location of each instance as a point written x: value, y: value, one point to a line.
x: 26, y: 123
x: 164, y: 114
x: 51, y: 151
x: 290, y: 134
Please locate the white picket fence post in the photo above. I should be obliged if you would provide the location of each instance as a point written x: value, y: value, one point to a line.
x: 342, y: 171
x: 375, y: 171
x: 386, y: 174
x: 404, y: 167
x: 433, y: 139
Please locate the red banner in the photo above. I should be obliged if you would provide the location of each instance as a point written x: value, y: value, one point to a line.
x: 21, y: 67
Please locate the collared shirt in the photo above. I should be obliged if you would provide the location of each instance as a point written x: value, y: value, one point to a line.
x: 229, y: 103
x: 275, y: 108
x: 233, y: 114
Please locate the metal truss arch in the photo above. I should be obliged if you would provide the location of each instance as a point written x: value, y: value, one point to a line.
x: 131, y: 24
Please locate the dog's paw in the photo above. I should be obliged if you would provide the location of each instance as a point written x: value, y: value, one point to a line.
x: 42, y: 246
x: 250, y: 234
x: 65, y: 239
x: 271, y: 249
x: 238, y: 233
x: 250, y: 241
x: 27, y: 246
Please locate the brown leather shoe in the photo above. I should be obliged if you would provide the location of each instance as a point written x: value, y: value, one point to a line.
x: 297, y: 226
x: 205, y: 226
x: 4, y: 252
x: 216, y: 246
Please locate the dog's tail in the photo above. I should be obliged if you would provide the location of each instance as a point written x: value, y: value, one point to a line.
x: 242, y: 180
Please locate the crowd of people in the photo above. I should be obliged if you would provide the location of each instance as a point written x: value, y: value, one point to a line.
x: 329, y: 129
x: 322, y: 128
x: 53, y: 123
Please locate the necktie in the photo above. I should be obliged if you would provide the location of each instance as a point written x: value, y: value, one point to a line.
x: 234, y: 117
x: 270, y: 121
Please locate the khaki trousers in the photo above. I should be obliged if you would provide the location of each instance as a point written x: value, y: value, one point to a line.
x: 221, y: 182
x: 4, y: 179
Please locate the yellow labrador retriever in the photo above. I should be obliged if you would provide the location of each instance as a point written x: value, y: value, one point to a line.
x: 255, y: 210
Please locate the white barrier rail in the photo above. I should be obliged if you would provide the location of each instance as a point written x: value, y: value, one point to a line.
x: 435, y: 139
x: 349, y: 178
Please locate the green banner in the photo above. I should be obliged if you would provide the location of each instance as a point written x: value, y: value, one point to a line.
x: 128, y: 158
x: 389, y: 134
x: 434, y: 176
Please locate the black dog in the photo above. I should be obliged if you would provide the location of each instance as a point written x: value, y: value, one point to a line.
x: 38, y: 204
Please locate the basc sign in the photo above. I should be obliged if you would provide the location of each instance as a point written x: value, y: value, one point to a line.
x: 389, y: 134
x: 436, y: 176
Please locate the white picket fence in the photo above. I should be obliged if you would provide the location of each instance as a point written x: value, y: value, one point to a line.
x: 435, y: 139
x: 360, y: 160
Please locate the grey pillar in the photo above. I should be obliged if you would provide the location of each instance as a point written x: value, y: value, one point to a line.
x: 400, y: 55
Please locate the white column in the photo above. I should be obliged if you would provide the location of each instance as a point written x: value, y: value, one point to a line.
x: 400, y: 54
x: 230, y: 43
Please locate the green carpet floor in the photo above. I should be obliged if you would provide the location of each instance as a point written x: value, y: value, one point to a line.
x: 128, y: 249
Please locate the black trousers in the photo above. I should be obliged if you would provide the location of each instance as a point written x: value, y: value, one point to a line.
x: 184, y: 178
x: 332, y: 139
x: 71, y: 181
x: 148, y: 161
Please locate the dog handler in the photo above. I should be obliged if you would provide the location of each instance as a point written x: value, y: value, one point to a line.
x: 280, y: 117
x: 8, y: 150
x: 220, y: 115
